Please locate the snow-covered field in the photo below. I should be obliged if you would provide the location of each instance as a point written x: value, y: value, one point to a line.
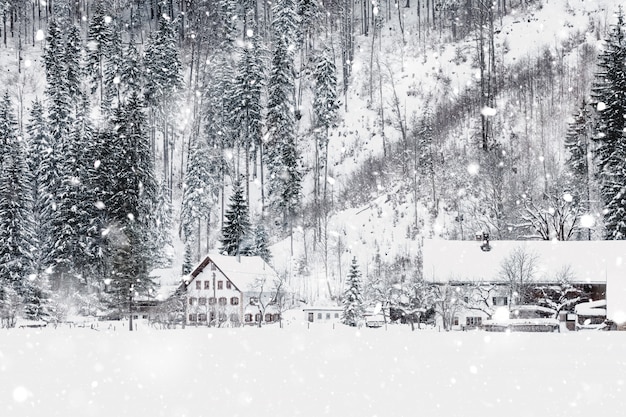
x: 319, y: 371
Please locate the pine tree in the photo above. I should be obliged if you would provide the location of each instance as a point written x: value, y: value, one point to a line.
x: 131, y: 72
x: 16, y: 221
x: 111, y: 76
x: 99, y: 38
x: 609, y: 94
x: 200, y: 188
x: 129, y: 189
x: 163, y: 67
x: 74, y: 66
x: 39, y: 146
x: 260, y: 244
x: 246, y: 98
x: 236, y: 231
x: 352, y: 299
x: 162, y: 228
x: 282, y: 154
x: 325, y: 106
x: 76, y: 215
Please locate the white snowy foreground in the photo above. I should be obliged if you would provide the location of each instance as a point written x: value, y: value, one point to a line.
x: 319, y: 371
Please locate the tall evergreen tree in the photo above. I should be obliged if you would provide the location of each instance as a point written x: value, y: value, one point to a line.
x: 580, y: 146
x: 609, y: 94
x: 39, y: 150
x: 16, y: 222
x: 76, y: 247
x: 325, y: 106
x: 99, y: 39
x: 200, y: 190
x: 246, y: 98
x: 352, y: 299
x: 282, y: 154
x: 236, y: 232
x: 130, y: 193
x: 260, y: 247
x: 163, y: 67
x: 74, y: 66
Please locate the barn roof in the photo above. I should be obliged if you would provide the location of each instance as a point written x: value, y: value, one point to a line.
x: 590, y: 262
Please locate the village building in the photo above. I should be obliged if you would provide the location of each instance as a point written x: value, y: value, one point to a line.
x: 233, y: 290
x: 473, y: 285
x: 323, y: 314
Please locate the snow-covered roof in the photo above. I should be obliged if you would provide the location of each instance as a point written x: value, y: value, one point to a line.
x: 591, y: 308
x: 590, y: 262
x: 245, y: 272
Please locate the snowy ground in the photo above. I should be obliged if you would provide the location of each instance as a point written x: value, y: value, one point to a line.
x: 319, y: 371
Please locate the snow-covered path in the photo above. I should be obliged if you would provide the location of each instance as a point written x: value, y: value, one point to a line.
x: 315, y: 372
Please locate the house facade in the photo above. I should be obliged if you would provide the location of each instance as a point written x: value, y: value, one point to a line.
x: 232, y: 291
x: 473, y: 285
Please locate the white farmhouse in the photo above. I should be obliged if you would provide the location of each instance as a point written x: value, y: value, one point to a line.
x: 597, y: 266
x: 232, y: 290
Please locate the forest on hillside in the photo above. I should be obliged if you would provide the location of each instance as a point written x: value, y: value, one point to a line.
x: 216, y: 123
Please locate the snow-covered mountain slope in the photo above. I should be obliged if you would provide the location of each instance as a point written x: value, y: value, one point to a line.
x: 425, y: 74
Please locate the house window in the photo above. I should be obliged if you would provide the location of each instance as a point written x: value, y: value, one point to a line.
x: 193, y: 301
x: 268, y: 317
x: 192, y: 317
x: 311, y: 317
x: 207, y: 285
x: 327, y: 316
x: 198, y: 285
x: 222, y: 301
x: 474, y: 321
x: 456, y: 321
x: 336, y: 315
x: 202, y: 301
x: 220, y: 285
x: 275, y: 317
x: 211, y: 301
x: 202, y: 317
x: 234, y: 301
x: 257, y: 317
x: 319, y: 316
x: 500, y: 301
x: 228, y: 285
x: 212, y: 315
x: 248, y: 318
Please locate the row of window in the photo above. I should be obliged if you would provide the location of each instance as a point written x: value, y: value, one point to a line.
x: 469, y: 321
x: 202, y: 317
x: 212, y: 300
x: 207, y: 285
x: 320, y: 316
x: 234, y: 317
x: 257, y: 317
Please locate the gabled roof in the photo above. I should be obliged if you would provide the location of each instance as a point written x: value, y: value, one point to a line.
x: 590, y: 262
x: 245, y: 272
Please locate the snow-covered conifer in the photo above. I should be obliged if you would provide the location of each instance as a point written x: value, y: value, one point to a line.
x: 16, y: 221
x: 609, y: 94
x: 352, y: 299
x: 236, y: 232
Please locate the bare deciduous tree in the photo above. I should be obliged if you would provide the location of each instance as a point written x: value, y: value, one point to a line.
x: 518, y: 270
